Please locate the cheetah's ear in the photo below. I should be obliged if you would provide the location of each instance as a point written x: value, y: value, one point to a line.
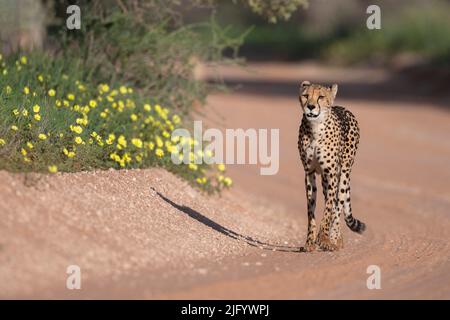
x: 305, y: 83
x: 334, y: 89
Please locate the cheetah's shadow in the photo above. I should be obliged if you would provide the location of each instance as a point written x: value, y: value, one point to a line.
x: 225, y: 231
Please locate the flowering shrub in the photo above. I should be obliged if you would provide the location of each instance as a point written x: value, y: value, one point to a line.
x: 54, y: 118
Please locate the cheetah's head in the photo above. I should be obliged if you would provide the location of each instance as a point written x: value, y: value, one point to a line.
x: 316, y: 100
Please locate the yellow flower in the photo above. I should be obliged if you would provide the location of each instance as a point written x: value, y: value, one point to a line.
x: 133, y: 117
x: 23, y: 60
x: 42, y: 136
x: 53, y: 169
x: 81, y: 87
x: 66, y: 103
x: 23, y: 152
x: 122, y: 141
x: 26, y: 90
x: 199, y: 154
x: 82, y: 121
x: 78, y: 140
x: 8, y: 89
x: 37, y: 117
x: 171, y: 149
x: 16, y: 112
x: 92, y: 103
x: 159, y: 152
x: 69, y: 154
x: 137, y: 142
x: 227, y: 181
x: 147, y: 107
x: 29, y: 145
x: 58, y: 103
x: 76, y: 129
x: 2, y: 142
x: 149, y: 119
x: 36, y: 108
x: 14, y: 128
x: 103, y: 114
x: 104, y: 88
x: 114, y: 157
x: 71, y: 96
x: 159, y: 142
x: 193, y: 166
x: 123, y: 90
x: 176, y: 119
x: 40, y: 78
x: 25, y: 112
x: 221, y: 167
x: 110, y: 139
x: 201, y: 180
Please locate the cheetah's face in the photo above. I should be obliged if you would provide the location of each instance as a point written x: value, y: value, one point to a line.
x: 316, y: 100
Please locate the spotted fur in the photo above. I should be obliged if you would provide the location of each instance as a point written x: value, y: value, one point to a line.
x: 328, y: 139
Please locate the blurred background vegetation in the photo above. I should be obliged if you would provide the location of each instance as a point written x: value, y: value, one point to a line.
x: 335, y: 32
x: 156, y: 44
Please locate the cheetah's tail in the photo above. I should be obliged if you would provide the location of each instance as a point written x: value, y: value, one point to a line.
x: 354, y: 224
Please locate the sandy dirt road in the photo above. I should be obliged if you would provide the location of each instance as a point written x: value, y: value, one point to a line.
x: 147, y: 234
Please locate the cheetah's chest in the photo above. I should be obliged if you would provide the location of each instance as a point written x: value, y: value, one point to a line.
x: 315, y: 147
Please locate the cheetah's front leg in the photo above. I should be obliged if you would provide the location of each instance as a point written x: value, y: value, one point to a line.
x: 311, y: 195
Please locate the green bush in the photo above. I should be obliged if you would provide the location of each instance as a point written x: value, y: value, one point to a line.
x: 110, y: 95
x: 54, y: 117
x: 147, y: 44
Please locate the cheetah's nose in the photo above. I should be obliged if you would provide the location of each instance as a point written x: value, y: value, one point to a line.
x: 310, y: 107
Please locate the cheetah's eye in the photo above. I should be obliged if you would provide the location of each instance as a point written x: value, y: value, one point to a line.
x: 321, y: 97
x: 305, y: 96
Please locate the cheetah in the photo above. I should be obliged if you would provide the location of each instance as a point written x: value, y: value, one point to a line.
x: 327, y: 143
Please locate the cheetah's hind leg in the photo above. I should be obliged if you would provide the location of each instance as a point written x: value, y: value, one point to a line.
x: 325, y: 244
